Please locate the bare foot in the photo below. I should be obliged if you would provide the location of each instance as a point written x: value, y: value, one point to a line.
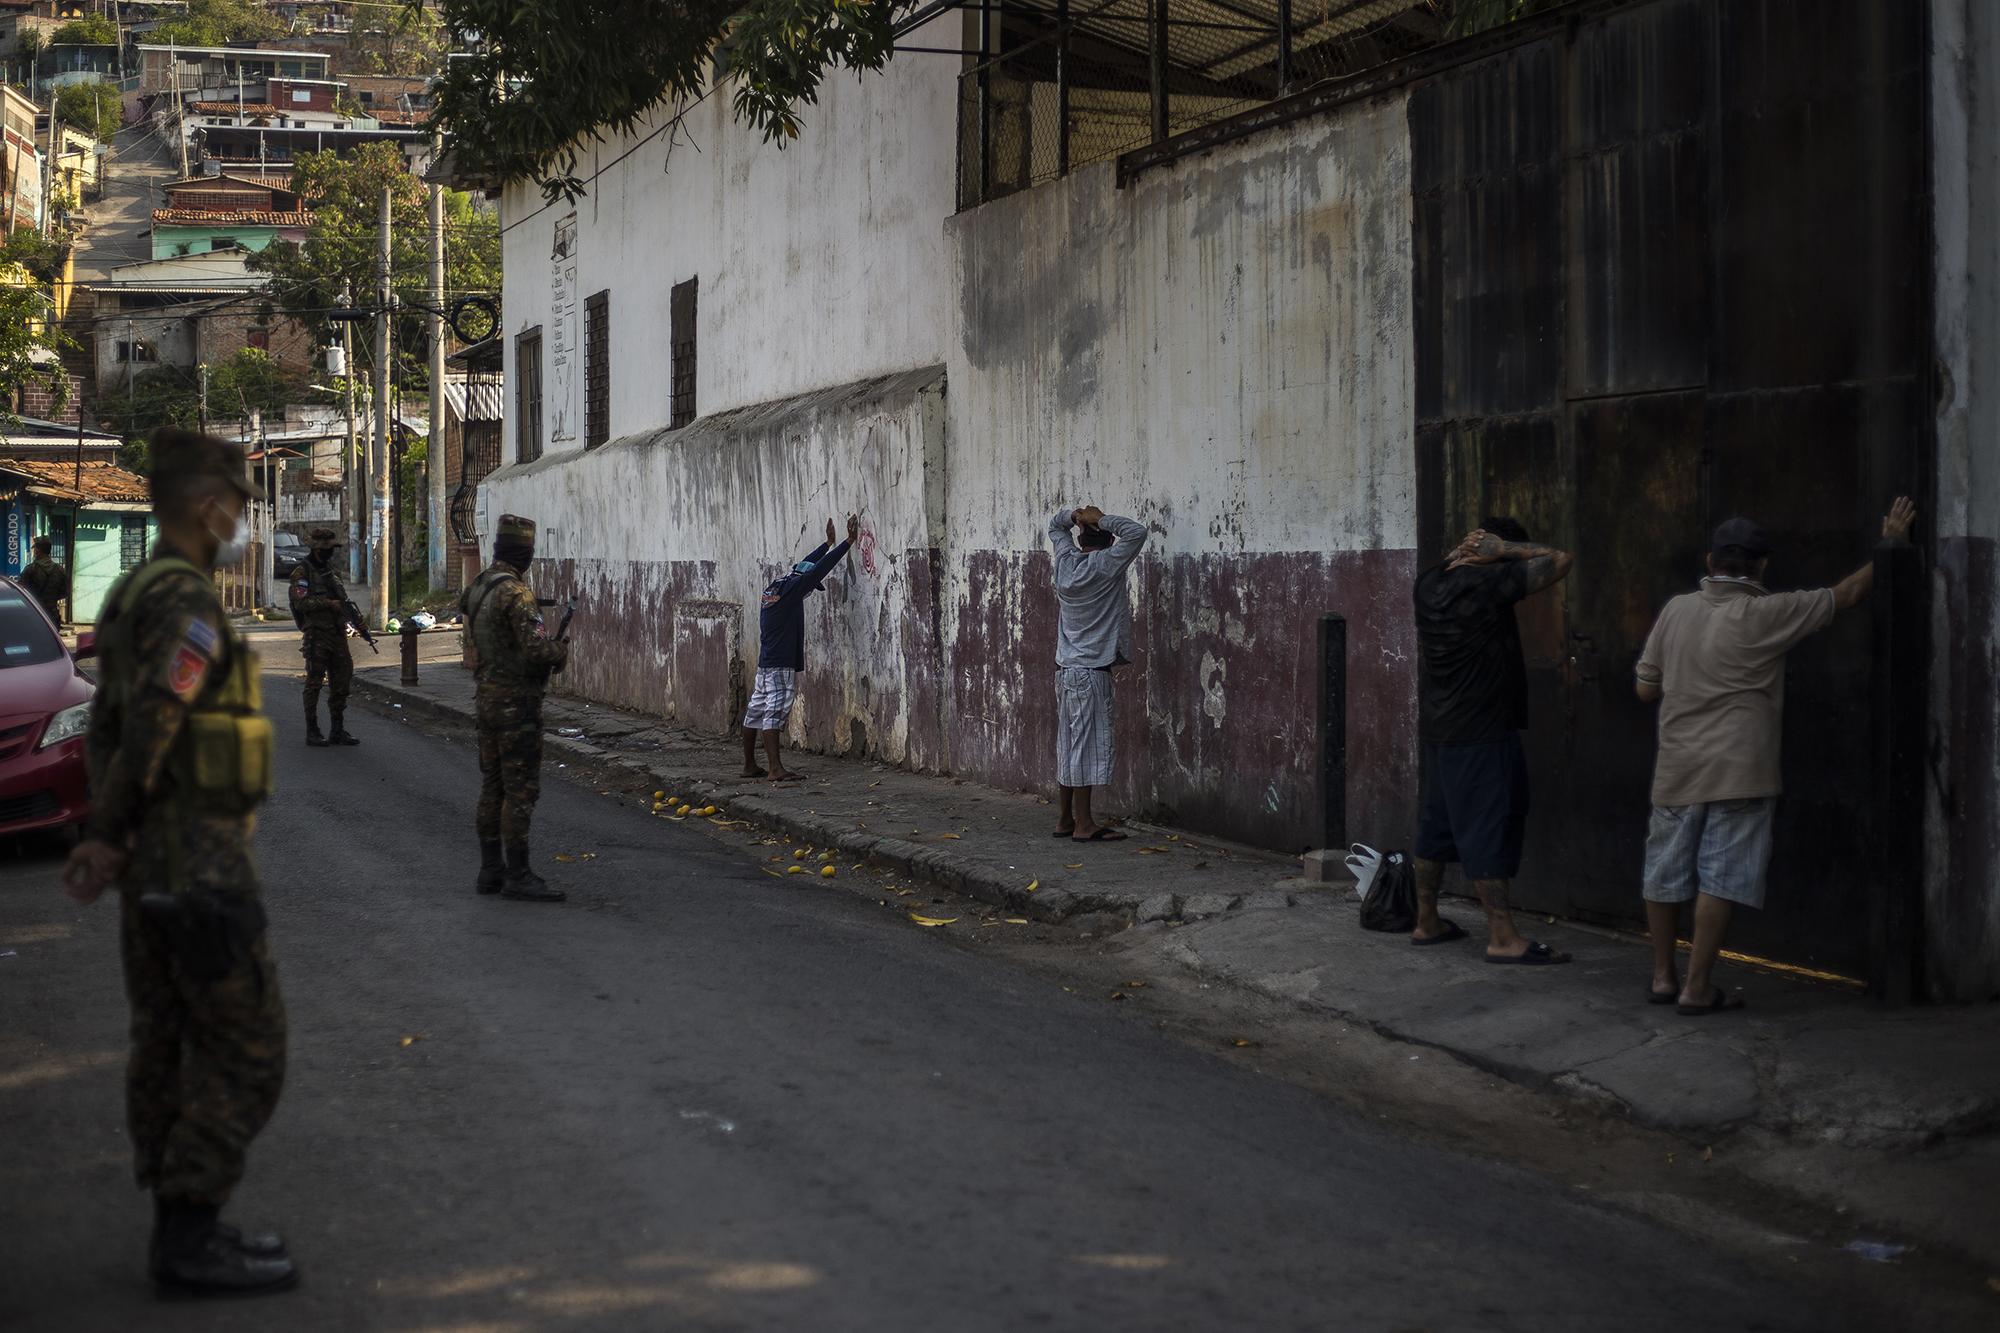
x: 787, y: 775
x: 752, y: 773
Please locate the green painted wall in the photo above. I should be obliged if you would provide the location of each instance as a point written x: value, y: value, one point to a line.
x: 167, y: 240
x: 101, y: 552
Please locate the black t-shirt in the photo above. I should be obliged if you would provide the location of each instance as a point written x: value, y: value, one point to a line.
x: 1473, y: 685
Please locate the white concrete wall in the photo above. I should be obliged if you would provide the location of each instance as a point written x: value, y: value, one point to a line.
x: 819, y: 264
x: 1224, y: 351
x: 1227, y: 343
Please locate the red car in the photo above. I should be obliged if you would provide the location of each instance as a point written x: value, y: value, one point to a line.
x: 44, y: 710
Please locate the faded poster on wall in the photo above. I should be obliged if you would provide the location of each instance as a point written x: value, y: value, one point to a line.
x: 560, y: 403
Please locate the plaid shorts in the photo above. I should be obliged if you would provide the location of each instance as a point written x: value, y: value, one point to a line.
x: 1720, y: 848
x: 771, y: 699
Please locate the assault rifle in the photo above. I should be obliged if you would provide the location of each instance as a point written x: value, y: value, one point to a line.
x: 360, y: 625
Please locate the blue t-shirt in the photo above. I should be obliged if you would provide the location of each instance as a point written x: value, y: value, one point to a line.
x: 781, y: 624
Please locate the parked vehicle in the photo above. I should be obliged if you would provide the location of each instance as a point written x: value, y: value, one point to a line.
x: 44, y: 710
x: 286, y: 552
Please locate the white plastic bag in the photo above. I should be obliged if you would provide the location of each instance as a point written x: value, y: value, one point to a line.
x: 1362, y: 863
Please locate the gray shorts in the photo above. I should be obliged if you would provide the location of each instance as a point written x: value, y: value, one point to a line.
x: 1083, y: 727
x: 1720, y: 848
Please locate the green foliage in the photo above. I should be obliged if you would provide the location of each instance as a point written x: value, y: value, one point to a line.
x: 1469, y: 16
x: 217, y: 22
x: 90, y: 30
x: 29, y: 343
x: 29, y: 41
x: 171, y: 395
x: 408, y: 41
x: 136, y: 456
x: 549, y: 74
x: 344, y: 195
x: 94, y: 108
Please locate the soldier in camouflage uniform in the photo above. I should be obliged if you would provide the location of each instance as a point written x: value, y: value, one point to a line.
x: 319, y: 605
x: 47, y: 580
x: 514, y: 657
x: 180, y: 759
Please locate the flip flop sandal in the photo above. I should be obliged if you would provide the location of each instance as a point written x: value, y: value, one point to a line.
x: 1662, y: 997
x: 1538, y: 955
x: 1452, y: 931
x: 1723, y: 1000
x: 1065, y: 833
x: 1102, y: 835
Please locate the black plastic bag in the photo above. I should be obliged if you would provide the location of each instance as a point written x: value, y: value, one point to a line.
x: 1391, y: 904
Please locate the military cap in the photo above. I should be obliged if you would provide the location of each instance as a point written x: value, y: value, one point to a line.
x: 180, y: 454
x: 515, y: 528
x: 324, y: 537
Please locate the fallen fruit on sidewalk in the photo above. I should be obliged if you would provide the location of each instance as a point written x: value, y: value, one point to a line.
x: 682, y: 810
x: 827, y: 872
x: 658, y: 795
x: 798, y: 853
x: 793, y: 870
x: 706, y: 809
x: 1034, y: 884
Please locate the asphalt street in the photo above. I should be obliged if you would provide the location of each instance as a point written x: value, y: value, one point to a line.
x: 697, y: 1097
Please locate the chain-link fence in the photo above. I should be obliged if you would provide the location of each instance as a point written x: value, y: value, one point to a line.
x: 1057, y: 84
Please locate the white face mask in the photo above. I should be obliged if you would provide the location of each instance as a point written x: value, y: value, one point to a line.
x: 234, y: 543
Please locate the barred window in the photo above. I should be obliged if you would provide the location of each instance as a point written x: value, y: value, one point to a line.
x: 680, y: 330
x: 596, y: 369
x: 528, y: 394
x: 132, y: 542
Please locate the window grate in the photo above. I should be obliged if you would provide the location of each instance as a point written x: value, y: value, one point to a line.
x: 681, y: 334
x: 528, y: 394
x: 132, y: 542
x: 596, y: 369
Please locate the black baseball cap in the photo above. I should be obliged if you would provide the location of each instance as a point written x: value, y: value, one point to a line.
x: 1741, y: 534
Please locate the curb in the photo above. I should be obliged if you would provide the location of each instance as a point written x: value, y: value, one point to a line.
x: 917, y: 860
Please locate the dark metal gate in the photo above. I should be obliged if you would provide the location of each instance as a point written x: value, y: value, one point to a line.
x: 1672, y: 264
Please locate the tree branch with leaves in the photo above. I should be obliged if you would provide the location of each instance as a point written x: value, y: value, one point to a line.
x: 548, y: 76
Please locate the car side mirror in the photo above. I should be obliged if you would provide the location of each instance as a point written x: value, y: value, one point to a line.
x: 86, y: 644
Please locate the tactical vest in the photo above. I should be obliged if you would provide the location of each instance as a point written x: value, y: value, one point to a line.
x: 221, y: 763
x: 320, y: 583
x: 493, y: 658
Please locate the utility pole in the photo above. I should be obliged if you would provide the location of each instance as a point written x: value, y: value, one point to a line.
x: 379, y: 503
x: 434, y: 545
x: 201, y: 401
x: 351, y: 477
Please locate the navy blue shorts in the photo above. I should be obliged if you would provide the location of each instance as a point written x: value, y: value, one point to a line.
x: 1475, y: 806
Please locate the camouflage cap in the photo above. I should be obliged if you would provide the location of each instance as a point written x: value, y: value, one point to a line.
x: 324, y: 537
x: 515, y: 528
x: 183, y: 454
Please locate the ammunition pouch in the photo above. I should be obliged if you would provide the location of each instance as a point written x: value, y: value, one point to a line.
x: 224, y: 759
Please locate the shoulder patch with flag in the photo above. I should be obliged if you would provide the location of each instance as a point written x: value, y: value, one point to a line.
x: 189, y: 667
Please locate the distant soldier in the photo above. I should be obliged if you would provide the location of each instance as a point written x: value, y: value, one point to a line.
x: 514, y: 657
x: 319, y: 606
x: 180, y: 759
x: 47, y: 580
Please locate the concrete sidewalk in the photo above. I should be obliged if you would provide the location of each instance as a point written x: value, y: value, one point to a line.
x: 1806, y: 1058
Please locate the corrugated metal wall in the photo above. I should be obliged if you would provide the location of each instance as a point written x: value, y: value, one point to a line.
x: 1672, y: 264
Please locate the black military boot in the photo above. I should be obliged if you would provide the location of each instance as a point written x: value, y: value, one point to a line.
x: 492, y: 873
x: 195, y: 1255
x: 524, y: 883
x: 260, y: 1245
x: 314, y: 737
x: 339, y: 735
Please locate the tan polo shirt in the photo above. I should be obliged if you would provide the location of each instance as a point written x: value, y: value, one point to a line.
x: 1718, y: 656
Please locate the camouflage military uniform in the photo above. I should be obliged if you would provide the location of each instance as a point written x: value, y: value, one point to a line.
x: 49, y: 582
x: 319, y: 603
x: 515, y: 658
x: 208, y: 1029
